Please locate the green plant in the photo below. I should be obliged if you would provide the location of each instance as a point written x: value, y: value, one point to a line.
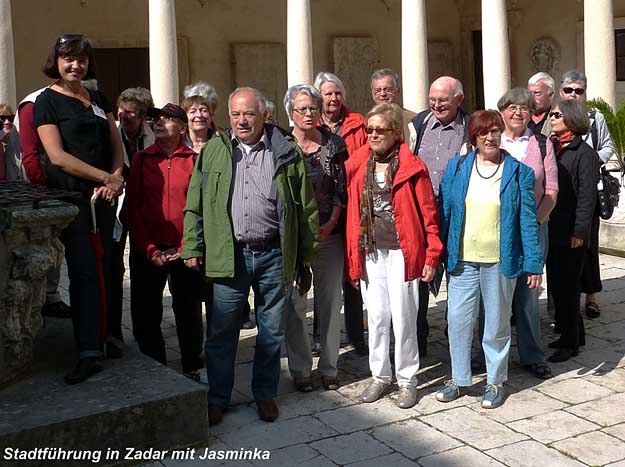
x: 616, y: 125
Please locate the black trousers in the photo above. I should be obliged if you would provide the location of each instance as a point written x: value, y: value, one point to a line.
x: 591, y: 273
x: 352, y: 308
x: 82, y: 269
x: 564, y: 273
x: 423, y: 327
x: 116, y: 290
x: 187, y: 288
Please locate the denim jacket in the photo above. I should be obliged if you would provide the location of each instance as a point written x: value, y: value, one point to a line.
x: 519, y: 244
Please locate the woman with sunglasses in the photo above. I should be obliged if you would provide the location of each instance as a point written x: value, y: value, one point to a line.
x: 10, y: 146
x: 325, y: 155
x: 489, y: 228
x: 573, y: 86
x: 392, y: 243
x: 78, y: 132
x: 571, y: 222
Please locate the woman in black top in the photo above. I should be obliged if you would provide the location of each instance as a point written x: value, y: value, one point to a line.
x: 78, y: 133
x: 570, y: 221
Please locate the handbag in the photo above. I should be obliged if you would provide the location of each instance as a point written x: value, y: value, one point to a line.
x: 609, y: 189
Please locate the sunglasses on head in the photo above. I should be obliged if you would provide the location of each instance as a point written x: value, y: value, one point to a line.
x: 5, y: 118
x: 569, y: 90
x: 71, y: 38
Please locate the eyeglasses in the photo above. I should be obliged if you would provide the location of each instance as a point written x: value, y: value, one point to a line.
x: 5, y: 118
x: 378, y: 91
x: 569, y: 90
x: 444, y: 100
x: 495, y: 132
x: 167, y: 118
x: 303, y: 110
x: 369, y: 130
x: 556, y: 115
x: 518, y: 108
x: 71, y: 38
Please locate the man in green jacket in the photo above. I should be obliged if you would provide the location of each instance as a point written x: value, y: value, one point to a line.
x: 250, y: 221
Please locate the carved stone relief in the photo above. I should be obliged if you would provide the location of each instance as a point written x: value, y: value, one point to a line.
x: 545, y: 55
x: 355, y: 58
x: 262, y: 66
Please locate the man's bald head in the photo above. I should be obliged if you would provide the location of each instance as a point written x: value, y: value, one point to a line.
x: 445, y: 97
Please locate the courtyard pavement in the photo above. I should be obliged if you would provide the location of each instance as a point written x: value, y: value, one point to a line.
x: 575, y: 419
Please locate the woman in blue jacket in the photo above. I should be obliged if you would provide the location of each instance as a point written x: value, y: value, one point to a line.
x: 489, y: 228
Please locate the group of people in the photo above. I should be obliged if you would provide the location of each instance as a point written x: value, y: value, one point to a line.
x: 363, y: 209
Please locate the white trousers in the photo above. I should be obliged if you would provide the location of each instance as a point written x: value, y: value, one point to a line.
x: 390, y: 299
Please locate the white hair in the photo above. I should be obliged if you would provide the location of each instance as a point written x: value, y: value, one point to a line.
x: 204, y: 90
x: 326, y: 76
x: 544, y: 77
x: 454, y: 83
x: 294, y: 91
x: 262, y: 101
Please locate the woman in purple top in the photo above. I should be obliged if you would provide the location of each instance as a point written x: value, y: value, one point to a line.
x: 517, y: 106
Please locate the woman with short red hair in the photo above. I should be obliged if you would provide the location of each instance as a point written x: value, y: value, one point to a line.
x: 489, y: 228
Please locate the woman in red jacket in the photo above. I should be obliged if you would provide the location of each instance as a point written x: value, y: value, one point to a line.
x: 392, y: 243
x: 157, y: 192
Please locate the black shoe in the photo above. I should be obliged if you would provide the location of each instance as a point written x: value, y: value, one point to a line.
x: 563, y: 354
x: 592, y: 310
x: 540, y: 370
x: 555, y: 344
x: 248, y: 325
x: 85, y: 368
x: 114, y: 350
x: 56, y: 310
x: 361, y: 349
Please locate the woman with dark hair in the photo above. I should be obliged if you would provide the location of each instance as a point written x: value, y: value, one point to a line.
x: 392, y: 243
x: 78, y: 132
x: 490, y: 231
x: 571, y: 222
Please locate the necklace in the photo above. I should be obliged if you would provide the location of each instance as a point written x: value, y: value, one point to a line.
x: 491, y: 175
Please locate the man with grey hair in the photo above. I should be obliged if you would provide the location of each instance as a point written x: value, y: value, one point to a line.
x: 441, y: 134
x: 386, y: 87
x: 542, y: 86
x: 249, y: 221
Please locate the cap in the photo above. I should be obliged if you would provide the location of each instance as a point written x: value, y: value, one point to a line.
x: 171, y: 110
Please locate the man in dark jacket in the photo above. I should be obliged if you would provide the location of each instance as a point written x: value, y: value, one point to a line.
x: 250, y: 220
x: 441, y: 134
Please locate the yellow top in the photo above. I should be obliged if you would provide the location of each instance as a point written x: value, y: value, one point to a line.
x: 480, y: 238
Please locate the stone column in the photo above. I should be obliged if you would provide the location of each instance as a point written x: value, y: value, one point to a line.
x: 299, y: 43
x: 495, y: 51
x: 414, y: 54
x: 599, y: 51
x: 163, y: 52
x: 7, y: 55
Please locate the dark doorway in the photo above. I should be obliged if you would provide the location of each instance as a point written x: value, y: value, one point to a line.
x: 119, y: 69
x: 479, y: 70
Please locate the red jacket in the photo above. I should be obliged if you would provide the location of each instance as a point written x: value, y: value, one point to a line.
x: 31, y: 145
x: 353, y: 131
x: 156, y: 194
x: 417, y: 226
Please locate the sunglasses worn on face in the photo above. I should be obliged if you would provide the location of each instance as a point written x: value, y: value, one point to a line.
x: 556, y: 115
x: 569, y: 90
x: 370, y: 130
x: 4, y: 118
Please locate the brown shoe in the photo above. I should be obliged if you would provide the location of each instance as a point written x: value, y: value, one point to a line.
x: 267, y: 410
x: 215, y: 414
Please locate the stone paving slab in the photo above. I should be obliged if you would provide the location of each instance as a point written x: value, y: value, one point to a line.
x: 414, y: 439
x: 554, y: 426
x: 350, y: 448
x: 606, y: 411
x: 617, y: 431
x: 531, y: 454
x: 299, y: 454
x: 460, y: 457
x: 394, y: 460
x: 472, y: 428
x: 520, y: 405
x: 575, y: 392
x: 594, y: 448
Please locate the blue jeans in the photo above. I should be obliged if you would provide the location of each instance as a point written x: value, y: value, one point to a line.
x: 261, y: 270
x: 527, y: 311
x: 468, y: 282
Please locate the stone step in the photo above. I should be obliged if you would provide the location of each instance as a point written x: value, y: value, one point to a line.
x: 134, y: 403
